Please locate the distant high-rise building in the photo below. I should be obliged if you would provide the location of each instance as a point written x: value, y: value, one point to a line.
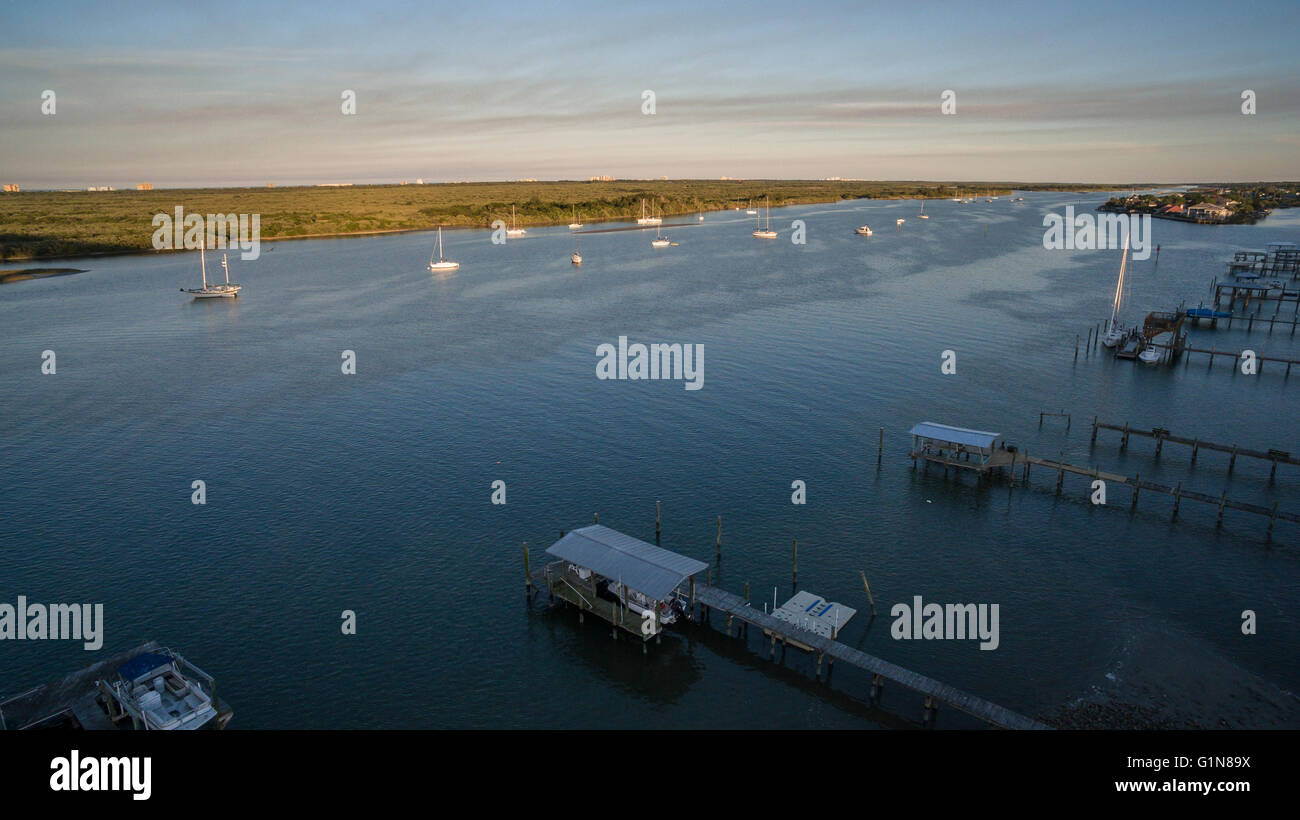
x: 11, y: 188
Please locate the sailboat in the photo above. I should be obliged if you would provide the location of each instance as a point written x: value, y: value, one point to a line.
x: 443, y: 264
x: 750, y: 211
x: 576, y: 223
x: 766, y: 233
x: 922, y: 215
x: 648, y: 220
x: 1115, y: 332
x: 575, y: 257
x: 899, y: 223
x: 864, y: 230
x: 226, y: 291
x: 513, y: 231
x: 660, y: 241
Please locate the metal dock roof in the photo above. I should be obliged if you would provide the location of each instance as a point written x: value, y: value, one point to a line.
x: 648, y: 569
x: 956, y: 435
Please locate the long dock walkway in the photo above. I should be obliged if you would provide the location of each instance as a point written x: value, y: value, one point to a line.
x: 736, y: 607
x: 1162, y: 435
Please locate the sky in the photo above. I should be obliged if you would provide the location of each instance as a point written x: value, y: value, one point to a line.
x: 233, y: 93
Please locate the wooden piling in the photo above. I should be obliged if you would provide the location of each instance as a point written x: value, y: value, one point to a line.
x: 1137, y: 486
x: 656, y: 522
x: 1232, y: 462
x: 870, y: 600
x: 1222, y: 502
x: 528, y: 575
x: 1271, y: 519
x: 880, y: 446
x: 719, y: 540
x: 595, y: 518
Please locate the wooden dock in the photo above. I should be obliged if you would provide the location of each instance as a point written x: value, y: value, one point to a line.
x: 1234, y: 355
x: 825, y: 649
x: 1162, y: 435
x: 1177, y: 492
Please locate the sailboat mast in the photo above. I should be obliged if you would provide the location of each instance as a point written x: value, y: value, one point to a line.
x: 1119, y: 286
x: 203, y: 262
x: 226, y: 268
x: 439, y: 243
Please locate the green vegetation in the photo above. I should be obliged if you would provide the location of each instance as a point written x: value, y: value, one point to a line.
x: 53, y: 224
x: 1245, y: 203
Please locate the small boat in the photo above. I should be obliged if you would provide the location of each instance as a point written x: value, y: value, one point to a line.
x: 575, y: 257
x: 922, y: 214
x: 576, y: 223
x: 750, y: 211
x: 442, y: 264
x: 226, y: 291
x: 639, y: 603
x: 1151, y: 355
x: 659, y: 241
x: 513, y: 231
x: 151, y: 688
x: 651, y: 219
x: 1115, y: 332
x: 767, y: 232
x: 864, y: 230
x: 900, y: 222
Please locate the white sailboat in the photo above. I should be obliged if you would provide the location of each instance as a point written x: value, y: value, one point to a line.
x: 899, y: 223
x: 1115, y: 332
x: 443, y: 264
x: 648, y: 220
x: 575, y: 257
x: 767, y: 232
x: 576, y: 223
x: 660, y: 241
x: 226, y: 291
x: 750, y: 211
x: 923, y: 214
x: 864, y: 230
x: 512, y: 230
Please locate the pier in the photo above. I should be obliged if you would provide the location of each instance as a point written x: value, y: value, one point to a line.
x: 668, y: 581
x: 1161, y: 435
x: 1008, y: 458
x: 828, y: 651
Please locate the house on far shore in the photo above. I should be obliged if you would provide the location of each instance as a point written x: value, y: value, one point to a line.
x: 1172, y: 210
x: 1208, y: 212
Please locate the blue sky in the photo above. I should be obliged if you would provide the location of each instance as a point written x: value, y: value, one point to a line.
x: 231, y: 93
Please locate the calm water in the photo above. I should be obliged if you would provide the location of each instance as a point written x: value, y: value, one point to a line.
x: 372, y: 492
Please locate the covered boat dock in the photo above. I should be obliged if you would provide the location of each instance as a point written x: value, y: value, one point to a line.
x: 636, y: 586
x: 943, y: 444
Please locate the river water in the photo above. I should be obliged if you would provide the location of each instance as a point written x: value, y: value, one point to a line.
x: 372, y: 492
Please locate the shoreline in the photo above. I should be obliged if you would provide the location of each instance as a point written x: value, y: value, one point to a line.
x: 117, y: 221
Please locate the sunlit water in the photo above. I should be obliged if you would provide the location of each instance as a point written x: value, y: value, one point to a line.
x: 371, y: 492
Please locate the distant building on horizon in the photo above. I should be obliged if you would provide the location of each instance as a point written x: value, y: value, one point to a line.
x: 602, y: 178
x: 144, y: 186
x: 11, y: 188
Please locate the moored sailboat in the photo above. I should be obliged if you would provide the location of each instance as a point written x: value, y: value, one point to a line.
x: 443, y: 264
x: 227, y: 291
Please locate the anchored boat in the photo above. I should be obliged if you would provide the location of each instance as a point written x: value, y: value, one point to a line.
x: 218, y: 291
x: 442, y: 264
x: 1115, y: 332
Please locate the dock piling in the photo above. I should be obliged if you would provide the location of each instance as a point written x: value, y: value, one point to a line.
x: 870, y: 600
x: 719, y: 541
x: 656, y: 522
